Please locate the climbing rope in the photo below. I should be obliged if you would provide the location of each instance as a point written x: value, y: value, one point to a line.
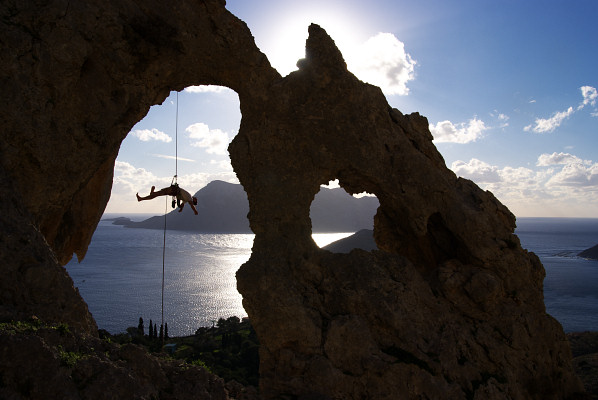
x: 175, y: 202
x: 163, y: 268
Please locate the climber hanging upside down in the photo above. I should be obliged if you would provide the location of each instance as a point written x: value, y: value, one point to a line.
x: 182, y: 196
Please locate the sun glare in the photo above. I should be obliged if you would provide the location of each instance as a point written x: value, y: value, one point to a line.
x: 375, y: 57
x: 287, y: 41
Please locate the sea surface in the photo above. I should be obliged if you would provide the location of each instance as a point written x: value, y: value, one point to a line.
x: 121, y: 275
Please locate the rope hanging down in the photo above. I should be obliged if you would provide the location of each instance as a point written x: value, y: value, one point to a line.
x: 174, y: 202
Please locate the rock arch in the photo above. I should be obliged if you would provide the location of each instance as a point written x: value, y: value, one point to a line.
x: 452, y: 306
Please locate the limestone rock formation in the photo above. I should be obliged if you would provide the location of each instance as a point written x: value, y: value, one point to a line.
x: 450, y: 306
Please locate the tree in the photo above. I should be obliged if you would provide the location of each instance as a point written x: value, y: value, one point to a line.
x: 155, y: 332
x: 166, y: 330
x: 151, y: 330
x: 161, y: 332
x: 140, y: 328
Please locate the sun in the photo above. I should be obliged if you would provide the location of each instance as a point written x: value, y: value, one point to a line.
x: 285, y: 44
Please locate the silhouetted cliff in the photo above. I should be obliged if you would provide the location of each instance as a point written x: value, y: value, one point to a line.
x: 450, y: 308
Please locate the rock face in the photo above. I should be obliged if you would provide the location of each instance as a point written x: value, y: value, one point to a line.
x: 450, y: 306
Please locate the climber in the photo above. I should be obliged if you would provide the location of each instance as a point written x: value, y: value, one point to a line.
x: 181, y: 195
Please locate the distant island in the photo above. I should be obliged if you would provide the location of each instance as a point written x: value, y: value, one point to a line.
x: 223, y: 208
x: 591, y: 253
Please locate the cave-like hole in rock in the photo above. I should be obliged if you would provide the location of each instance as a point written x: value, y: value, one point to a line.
x: 342, y: 222
x: 121, y: 276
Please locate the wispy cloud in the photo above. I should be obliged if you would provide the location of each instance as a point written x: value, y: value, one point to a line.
x: 383, y: 61
x: 589, y: 94
x: 503, y: 119
x: 544, y: 125
x: 146, y: 135
x: 173, y: 157
x: 207, y: 89
x: 446, y: 131
x: 215, y: 141
x: 549, y: 124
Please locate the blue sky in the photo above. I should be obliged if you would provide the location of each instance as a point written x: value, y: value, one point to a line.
x: 508, y: 87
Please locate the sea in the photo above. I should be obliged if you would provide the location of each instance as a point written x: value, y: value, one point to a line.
x: 187, y: 279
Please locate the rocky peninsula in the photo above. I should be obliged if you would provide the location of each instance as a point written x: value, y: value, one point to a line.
x: 591, y: 253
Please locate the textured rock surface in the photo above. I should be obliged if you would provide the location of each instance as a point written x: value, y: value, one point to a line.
x: 451, y: 307
x: 50, y: 362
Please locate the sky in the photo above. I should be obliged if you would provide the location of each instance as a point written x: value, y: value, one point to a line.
x: 509, y: 88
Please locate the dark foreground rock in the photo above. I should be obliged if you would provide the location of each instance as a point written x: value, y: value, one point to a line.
x: 51, y: 362
x: 584, y: 346
x: 591, y: 253
x: 450, y: 306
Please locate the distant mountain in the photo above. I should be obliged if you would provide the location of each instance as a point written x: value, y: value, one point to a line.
x: 363, y: 239
x: 591, y: 253
x: 334, y: 210
x: 223, y: 208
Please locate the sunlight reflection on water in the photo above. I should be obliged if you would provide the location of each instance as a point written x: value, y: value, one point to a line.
x: 121, y: 276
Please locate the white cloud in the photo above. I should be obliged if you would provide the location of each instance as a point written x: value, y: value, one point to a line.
x: 576, y: 174
x: 383, y: 61
x: 145, y: 135
x: 550, y: 124
x: 589, y: 94
x: 567, y: 188
x: 501, y: 118
x: 476, y: 170
x: 207, y: 89
x: 173, y: 157
x: 214, y: 141
x: 446, y: 131
x: 543, y: 125
x: 555, y: 158
x: 129, y: 179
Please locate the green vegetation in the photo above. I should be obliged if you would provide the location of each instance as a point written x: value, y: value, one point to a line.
x: 229, y: 349
x: 69, y: 358
x: 33, y: 325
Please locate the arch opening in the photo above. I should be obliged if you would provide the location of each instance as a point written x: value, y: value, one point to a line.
x: 341, y: 221
x: 202, y: 256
